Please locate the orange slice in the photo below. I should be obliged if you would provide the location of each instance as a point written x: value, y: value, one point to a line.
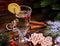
x: 14, y: 8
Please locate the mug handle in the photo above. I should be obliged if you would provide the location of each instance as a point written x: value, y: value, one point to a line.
x: 8, y: 27
x: 13, y: 23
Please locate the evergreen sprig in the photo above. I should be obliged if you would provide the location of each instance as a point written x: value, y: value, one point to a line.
x: 4, y: 39
x: 49, y: 8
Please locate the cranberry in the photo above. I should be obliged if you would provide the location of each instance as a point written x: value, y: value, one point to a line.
x: 27, y: 16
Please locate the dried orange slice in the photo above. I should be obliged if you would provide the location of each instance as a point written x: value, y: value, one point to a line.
x: 14, y: 8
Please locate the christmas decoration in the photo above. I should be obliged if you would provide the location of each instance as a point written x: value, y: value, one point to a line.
x: 53, y: 28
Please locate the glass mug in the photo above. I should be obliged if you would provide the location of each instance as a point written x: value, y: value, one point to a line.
x: 22, y: 21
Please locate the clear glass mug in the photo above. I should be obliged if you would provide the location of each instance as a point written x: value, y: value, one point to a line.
x: 22, y: 21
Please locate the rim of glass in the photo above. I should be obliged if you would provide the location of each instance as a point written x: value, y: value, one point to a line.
x: 30, y: 9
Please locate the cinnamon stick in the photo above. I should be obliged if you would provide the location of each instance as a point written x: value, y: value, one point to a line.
x: 38, y: 23
x: 35, y: 26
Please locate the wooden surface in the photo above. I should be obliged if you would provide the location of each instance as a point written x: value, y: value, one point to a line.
x: 4, y: 3
x: 5, y: 15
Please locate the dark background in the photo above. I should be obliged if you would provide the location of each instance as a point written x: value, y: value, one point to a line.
x: 6, y: 16
x: 4, y: 4
x: 42, y: 10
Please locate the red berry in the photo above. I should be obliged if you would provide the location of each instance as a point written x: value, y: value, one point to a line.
x: 27, y: 16
x: 14, y: 43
